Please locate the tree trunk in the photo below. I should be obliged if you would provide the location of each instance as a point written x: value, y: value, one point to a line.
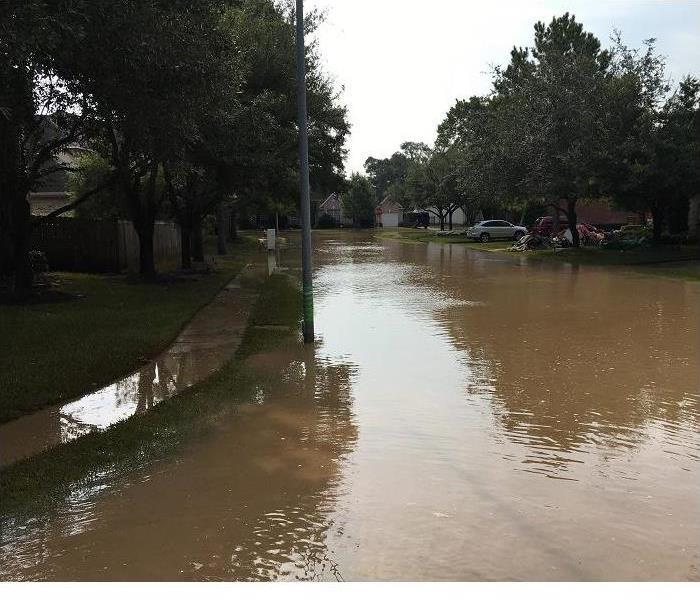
x: 233, y: 225
x: 571, y: 214
x: 221, y: 213
x: 142, y: 211
x: 24, y: 276
x: 197, y: 241
x: 185, y: 246
x: 147, y: 263
x: 693, y: 216
x: 450, y: 221
x: 657, y: 214
x: 522, y: 215
x: 442, y: 222
x: 555, y: 220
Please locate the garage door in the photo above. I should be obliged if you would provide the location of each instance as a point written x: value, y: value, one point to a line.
x: 390, y: 219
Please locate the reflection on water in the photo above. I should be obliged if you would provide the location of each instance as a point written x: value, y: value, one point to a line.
x: 263, y: 512
x: 462, y: 416
x: 204, y: 345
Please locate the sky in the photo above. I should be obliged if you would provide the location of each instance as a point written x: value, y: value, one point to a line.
x: 401, y: 64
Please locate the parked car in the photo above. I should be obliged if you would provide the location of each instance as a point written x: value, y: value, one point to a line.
x: 545, y: 226
x: 491, y: 230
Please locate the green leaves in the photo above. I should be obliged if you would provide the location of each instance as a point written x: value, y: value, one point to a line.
x: 358, y: 201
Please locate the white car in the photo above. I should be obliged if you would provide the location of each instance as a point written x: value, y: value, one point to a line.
x: 492, y: 230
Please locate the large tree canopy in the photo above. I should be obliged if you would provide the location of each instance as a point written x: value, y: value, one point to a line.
x: 190, y: 103
x: 568, y: 120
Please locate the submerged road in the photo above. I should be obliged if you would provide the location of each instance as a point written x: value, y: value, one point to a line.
x: 462, y: 416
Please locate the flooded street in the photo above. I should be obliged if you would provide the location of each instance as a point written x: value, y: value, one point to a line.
x: 462, y: 416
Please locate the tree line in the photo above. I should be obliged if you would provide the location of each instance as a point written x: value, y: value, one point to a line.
x: 566, y: 120
x: 184, y: 106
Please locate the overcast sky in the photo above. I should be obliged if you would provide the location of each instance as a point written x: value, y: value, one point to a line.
x: 403, y: 63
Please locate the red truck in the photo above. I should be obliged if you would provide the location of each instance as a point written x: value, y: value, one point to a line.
x: 544, y: 226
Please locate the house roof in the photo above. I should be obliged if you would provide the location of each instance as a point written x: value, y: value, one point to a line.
x: 43, y: 203
x: 388, y: 205
x: 333, y: 202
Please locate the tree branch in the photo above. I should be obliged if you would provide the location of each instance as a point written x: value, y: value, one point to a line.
x: 48, y: 149
x: 57, y: 169
x: 68, y: 207
x: 558, y: 208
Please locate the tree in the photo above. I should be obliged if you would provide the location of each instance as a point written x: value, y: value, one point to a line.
x: 93, y: 171
x: 387, y: 173
x: 358, y: 202
x: 246, y: 149
x: 433, y: 186
x: 554, y: 97
x: 39, y: 117
x: 653, y: 162
x: 481, y: 164
x: 168, y: 64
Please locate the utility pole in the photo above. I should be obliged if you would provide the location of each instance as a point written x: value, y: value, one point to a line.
x: 307, y: 281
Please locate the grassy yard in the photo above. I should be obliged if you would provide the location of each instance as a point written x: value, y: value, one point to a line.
x: 422, y: 236
x: 104, y: 327
x: 40, y: 480
x: 668, y: 261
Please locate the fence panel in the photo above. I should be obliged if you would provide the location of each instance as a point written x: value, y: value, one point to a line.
x: 72, y: 244
x: 96, y: 246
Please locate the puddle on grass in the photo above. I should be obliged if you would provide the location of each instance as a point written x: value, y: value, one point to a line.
x: 461, y: 417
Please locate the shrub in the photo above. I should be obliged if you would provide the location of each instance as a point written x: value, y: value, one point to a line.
x: 326, y: 221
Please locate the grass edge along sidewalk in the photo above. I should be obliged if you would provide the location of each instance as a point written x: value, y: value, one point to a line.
x: 39, y: 481
x: 107, y: 327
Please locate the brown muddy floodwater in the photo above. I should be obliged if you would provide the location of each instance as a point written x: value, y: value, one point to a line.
x: 462, y: 416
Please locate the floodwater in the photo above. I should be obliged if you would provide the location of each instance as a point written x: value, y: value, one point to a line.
x: 203, y: 346
x: 462, y: 416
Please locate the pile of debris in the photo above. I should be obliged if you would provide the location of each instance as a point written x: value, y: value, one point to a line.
x: 628, y: 236
x: 588, y: 235
x: 531, y: 241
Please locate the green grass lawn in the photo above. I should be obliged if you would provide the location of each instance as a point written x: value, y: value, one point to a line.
x: 39, y: 481
x: 668, y: 261
x: 106, y: 327
x: 422, y: 236
x: 681, y: 262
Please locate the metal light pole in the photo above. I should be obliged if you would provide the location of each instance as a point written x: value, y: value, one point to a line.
x: 307, y: 282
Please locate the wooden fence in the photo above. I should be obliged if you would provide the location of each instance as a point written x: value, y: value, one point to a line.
x: 95, y: 246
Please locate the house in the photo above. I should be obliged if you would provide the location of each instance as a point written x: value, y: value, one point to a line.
x: 601, y: 214
x: 52, y: 192
x: 388, y: 213
x: 332, y: 207
x: 459, y: 219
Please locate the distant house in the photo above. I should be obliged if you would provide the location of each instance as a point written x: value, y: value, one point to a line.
x: 459, y: 219
x: 601, y: 214
x: 52, y: 192
x: 389, y: 213
x: 333, y: 208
